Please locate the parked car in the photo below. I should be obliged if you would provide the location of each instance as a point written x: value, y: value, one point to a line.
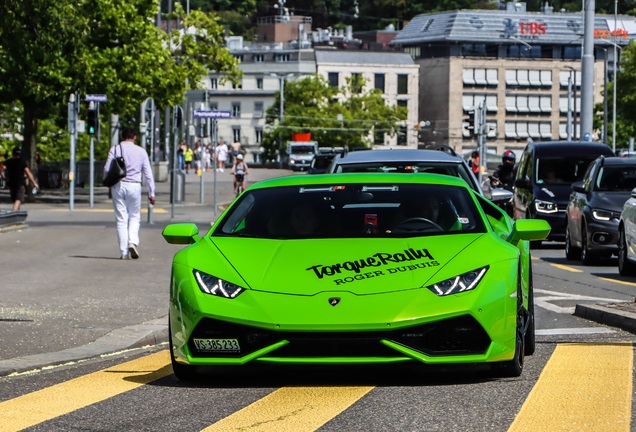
x: 595, y: 206
x: 320, y: 163
x: 545, y: 176
x: 627, y: 237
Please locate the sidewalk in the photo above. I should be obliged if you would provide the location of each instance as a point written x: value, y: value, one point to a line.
x: 63, y: 286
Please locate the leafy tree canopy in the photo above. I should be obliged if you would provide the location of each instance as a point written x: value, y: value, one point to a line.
x: 311, y: 105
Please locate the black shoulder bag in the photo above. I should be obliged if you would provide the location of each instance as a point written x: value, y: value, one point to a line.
x: 117, y: 170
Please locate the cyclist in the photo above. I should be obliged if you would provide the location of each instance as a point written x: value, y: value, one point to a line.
x: 239, y: 169
x: 506, y: 171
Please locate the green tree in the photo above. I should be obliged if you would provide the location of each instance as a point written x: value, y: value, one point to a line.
x: 625, y: 100
x: 49, y: 49
x: 311, y: 105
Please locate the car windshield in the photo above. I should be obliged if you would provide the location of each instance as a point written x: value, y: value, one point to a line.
x: 616, y: 178
x: 563, y: 170
x: 302, y: 150
x: 352, y: 210
x: 322, y: 161
x: 451, y: 169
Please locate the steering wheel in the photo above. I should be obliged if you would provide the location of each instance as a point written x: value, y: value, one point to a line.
x: 414, y: 222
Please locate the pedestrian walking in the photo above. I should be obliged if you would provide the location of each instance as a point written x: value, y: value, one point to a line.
x: 208, y: 157
x: 13, y: 173
x: 188, y: 158
x: 196, y: 157
x: 221, y: 156
x: 127, y: 193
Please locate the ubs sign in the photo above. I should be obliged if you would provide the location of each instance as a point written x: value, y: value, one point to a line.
x: 532, y: 28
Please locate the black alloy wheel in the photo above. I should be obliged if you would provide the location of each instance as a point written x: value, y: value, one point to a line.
x: 588, y: 257
x: 572, y: 253
x: 625, y: 266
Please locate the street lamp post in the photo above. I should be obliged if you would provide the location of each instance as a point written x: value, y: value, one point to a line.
x: 573, y: 72
x: 150, y: 102
x: 614, y: 78
x: 282, y: 79
x: 605, y: 96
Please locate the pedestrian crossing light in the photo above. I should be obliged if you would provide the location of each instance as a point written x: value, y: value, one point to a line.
x: 92, y: 120
x: 469, y: 124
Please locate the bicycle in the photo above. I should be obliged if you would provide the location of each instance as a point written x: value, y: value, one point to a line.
x: 240, y: 178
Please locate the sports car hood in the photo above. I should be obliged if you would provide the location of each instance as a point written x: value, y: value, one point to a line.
x: 360, y: 266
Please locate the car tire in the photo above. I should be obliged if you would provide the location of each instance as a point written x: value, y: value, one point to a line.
x: 514, y: 368
x: 625, y: 266
x: 572, y: 253
x: 181, y: 371
x: 530, y: 339
x: 587, y: 256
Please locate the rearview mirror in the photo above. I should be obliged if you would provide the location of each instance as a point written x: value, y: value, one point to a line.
x: 521, y: 183
x: 500, y: 195
x: 529, y: 229
x: 578, y: 187
x: 181, y: 234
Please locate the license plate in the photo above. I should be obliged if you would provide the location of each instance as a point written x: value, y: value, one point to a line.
x: 217, y: 345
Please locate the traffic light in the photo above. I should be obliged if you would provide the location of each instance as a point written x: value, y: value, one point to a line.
x: 92, y: 121
x: 469, y: 125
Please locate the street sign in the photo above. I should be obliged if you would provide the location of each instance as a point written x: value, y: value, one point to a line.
x: 96, y: 98
x: 587, y: 136
x: 213, y: 114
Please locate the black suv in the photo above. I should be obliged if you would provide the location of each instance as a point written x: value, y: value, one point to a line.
x: 595, y: 208
x: 545, y: 176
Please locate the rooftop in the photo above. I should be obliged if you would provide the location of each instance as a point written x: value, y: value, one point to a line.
x: 497, y: 26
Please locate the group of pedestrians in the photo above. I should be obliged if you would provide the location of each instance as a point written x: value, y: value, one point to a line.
x: 193, y: 158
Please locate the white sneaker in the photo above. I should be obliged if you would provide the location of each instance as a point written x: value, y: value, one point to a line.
x: 124, y: 257
x: 134, y: 253
x: 222, y: 170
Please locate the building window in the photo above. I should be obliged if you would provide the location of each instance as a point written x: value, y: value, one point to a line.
x: 283, y: 57
x: 479, y: 50
x: 522, y: 51
x: 481, y: 77
x: 214, y: 83
x: 533, y: 103
x: 236, y: 134
x: 356, y: 82
x: 563, y: 104
x: 379, y: 82
x: 333, y: 79
x: 565, y: 74
x: 403, y: 84
x: 523, y: 130
x: 415, y: 52
x: 378, y: 137
x: 401, y: 136
x: 258, y: 109
x: 236, y: 109
x: 403, y: 103
x: 259, y: 58
x: 473, y: 101
x: 259, y: 83
x: 239, y: 85
x: 258, y: 135
x: 239, y: 57
x: 563, y: 130
x: 572, y: 52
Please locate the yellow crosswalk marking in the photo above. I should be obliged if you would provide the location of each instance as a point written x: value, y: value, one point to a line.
x: 570, y: 269
x: 37, y: 407
x: 296, y: 409
x: 582, y: 387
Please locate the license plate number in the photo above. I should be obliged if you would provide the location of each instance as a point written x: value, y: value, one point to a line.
x: 218, y: 345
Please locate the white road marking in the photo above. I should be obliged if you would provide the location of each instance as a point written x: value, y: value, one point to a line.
x: 543, y: 301
x: 578, y: 330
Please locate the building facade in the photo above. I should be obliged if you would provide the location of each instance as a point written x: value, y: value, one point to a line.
x: 394, y: 73
x: 515, y: 62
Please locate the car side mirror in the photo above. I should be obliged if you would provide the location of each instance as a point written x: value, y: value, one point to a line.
x: 181, y: 234
x: 529, y: 229
x: 579, y: 187
x: 500, y: 195
x: 634, y: 193
x: 522, y: 183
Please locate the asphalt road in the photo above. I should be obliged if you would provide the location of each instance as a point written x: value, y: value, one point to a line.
x: 586, y: 382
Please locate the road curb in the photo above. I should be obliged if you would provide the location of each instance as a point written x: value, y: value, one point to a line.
x: 148, y: 333
x: 16, y: 227
x: 603, y: 314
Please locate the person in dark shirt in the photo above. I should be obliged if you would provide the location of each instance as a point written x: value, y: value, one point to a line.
x: 506, y: 171
x: 13, y: 174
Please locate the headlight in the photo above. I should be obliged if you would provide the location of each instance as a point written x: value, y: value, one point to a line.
x: 605, y: 215
x: 545, y: 206
x: 463, y: 282
x: 213, y: 285
x: 292, y: 161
